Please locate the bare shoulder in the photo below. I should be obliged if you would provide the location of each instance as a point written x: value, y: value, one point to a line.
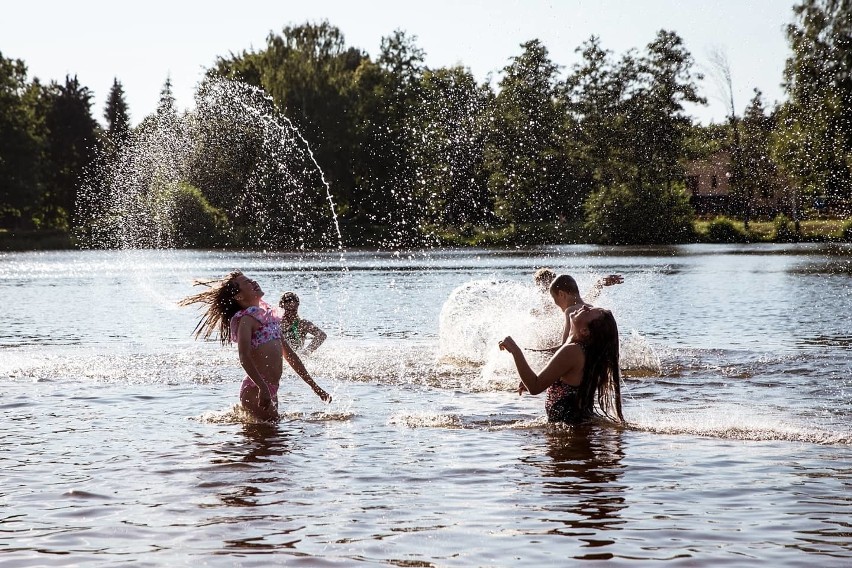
x: 570, y: 352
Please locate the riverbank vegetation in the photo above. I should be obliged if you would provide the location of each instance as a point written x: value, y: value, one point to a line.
x: 594, y: 153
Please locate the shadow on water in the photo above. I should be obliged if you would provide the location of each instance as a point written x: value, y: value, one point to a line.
x: 581, y: 483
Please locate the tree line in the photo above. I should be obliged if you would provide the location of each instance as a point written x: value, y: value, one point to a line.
x: 410, y: 152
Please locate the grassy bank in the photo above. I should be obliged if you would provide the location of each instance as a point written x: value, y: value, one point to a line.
x: 706, y: 231
x: 812, y: 230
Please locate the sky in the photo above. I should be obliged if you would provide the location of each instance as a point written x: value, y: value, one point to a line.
x: 143, y: 43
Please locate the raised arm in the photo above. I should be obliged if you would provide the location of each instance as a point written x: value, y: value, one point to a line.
x: 595, y: 291
x: 317, y: 336
x: 293, y: 360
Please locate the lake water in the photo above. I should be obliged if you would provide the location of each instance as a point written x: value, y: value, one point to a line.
x: 120, y: 443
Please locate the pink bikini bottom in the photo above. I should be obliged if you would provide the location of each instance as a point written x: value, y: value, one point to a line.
x: 249, y: 384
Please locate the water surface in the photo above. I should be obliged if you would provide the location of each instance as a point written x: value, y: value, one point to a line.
x: 120, y: 443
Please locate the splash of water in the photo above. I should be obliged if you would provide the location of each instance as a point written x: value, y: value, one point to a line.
x: 479, y: 313
x: 232, y: 172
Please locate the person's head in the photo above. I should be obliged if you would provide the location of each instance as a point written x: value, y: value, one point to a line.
x: 248, y: 291
x: 596, y: 329
x: 564, y: 291
x: 223, y: 298
x: 543, y: 277
x: 289, y: 302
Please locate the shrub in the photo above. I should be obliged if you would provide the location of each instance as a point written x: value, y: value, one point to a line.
x: 655, y: 215
x: 196, y: 223
x: 846, y: 232
x: 784, y: 229
x: 724, y: 230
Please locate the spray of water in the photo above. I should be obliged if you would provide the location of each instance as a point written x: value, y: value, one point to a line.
x: 232, y: 172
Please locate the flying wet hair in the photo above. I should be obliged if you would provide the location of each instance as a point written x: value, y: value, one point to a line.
x: 564, y: 283
x: 221, y: 306
x: 543, y: 277
x: 601, y: 374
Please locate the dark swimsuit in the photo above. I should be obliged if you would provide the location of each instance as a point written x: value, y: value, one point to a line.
x: 291, y: 334
x: 563, y: 403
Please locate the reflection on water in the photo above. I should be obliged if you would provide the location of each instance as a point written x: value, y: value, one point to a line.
x: 581, y: 484
x: 586, y: 463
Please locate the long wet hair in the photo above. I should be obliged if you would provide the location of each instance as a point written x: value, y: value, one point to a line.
x: 601, y: 374
x: 221, y: 306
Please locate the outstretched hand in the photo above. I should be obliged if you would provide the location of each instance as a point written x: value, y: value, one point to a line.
x: 611, y: 280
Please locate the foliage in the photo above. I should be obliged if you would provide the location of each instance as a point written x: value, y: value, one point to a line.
x: 451, y: 181
x: 657, y: 123
x: 417, y: 155
x: 784, y: 230
x: 813, y: 142
x: 529, y: 175
x: 621, y: 215
x: 70, y: 142
x: 20, y: 143
x: 756, y: 171
x: 309, y: 72
x: 195, y: 223
x: 846, y: 233
x: 725, y: 230
x: 116, y: 114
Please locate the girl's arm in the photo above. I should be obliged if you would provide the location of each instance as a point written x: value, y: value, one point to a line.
x: 317, y: 336
x: 297, y: 365
x: 610, y: 280
x: 566, y: 329
x: 244, y: 331
x: 562, y: 363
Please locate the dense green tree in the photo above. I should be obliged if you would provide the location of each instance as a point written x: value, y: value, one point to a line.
x: 813, y: 142
x: 757, y: 170
x: 309, y: 72
x: 70, y: 147
x: 451, y: 180
x: 19, y: 145
x: 634, y: 135
x: 166, y: 103
x: 656, y: 119
x: 596, y: 93
x: 621, y: 215
x: 529, y: 175
x: 390, y: 90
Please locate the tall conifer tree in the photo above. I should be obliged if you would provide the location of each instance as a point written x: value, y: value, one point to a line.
x: 116, y: 112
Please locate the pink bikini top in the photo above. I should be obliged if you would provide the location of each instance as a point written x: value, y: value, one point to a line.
x: 270, y: 324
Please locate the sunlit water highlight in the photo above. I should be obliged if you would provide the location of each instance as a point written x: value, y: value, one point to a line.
x: 121, y: 440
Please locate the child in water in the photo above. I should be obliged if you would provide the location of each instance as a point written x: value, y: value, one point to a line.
x: 583, y: 372
x: 566, y: 295
x: 235, y: 310
x: 295, y: 329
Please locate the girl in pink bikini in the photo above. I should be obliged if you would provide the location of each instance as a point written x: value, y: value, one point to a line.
x: 236, y: 311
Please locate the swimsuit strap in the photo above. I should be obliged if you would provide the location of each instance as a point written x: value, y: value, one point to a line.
x: 294, y: 330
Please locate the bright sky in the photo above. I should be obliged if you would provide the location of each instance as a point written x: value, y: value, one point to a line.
x: 141, y: 43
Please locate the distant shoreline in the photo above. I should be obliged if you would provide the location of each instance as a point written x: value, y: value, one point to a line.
x: 811, y: 231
